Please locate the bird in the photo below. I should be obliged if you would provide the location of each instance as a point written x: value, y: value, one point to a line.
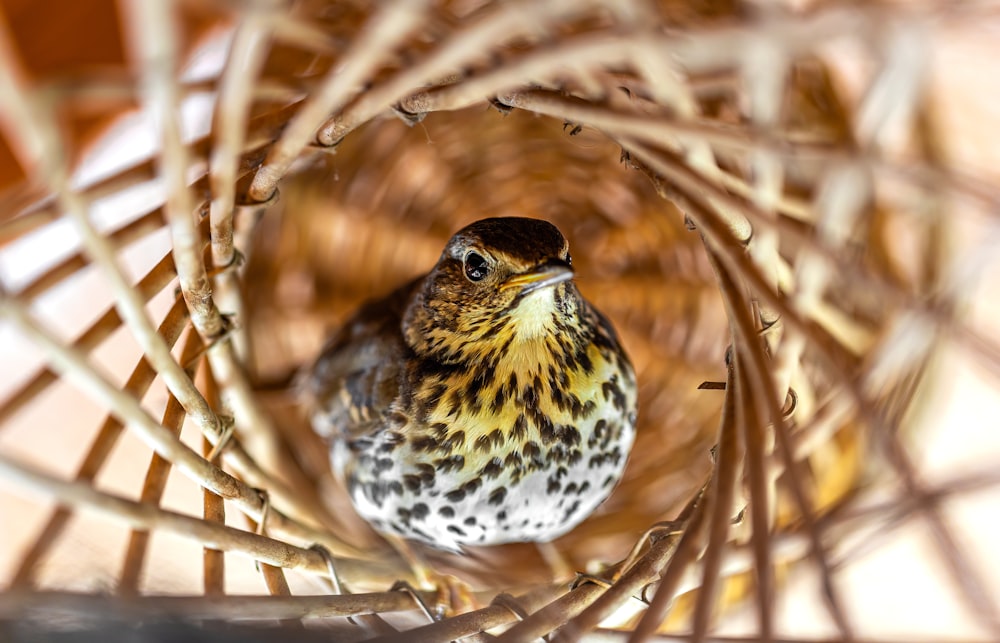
x: 485, y: 402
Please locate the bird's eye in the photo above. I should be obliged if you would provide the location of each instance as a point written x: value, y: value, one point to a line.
x: 568, y: 259
x: 476, y: 266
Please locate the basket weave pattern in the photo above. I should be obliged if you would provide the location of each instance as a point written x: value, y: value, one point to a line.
x: 751, y: 209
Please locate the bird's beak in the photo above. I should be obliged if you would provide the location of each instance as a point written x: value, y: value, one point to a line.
x: 544, y: 276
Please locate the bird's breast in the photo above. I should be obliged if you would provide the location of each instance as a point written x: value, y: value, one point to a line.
x: 544, y: 407
x: 519, y: 444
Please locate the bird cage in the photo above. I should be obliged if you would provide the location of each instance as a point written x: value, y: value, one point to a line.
x: 786, y: 208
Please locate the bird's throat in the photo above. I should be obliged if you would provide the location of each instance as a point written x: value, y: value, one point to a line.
x: 535, y: 316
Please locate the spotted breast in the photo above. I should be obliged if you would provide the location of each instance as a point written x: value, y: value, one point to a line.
x: 486, y: 402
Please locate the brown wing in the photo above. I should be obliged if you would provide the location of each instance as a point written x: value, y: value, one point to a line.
x: 356, y: 378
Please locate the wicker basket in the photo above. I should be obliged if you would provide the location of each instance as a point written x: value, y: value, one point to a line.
x: 774, y: 200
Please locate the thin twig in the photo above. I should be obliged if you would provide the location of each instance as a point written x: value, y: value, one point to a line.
x: 389, y: 26
x: 214, y: 511
x: 150, y: 517
x: 728, y: 471
x: 761, y: 498
x: 73, y: 366
x: 15, y: 604
x: 37, y: 135
x: 100, y: 450
x: 155, y: 281
x: 722, y: 249
x: 153, y: 29
x: 155, y: 482
x: 246, y: 58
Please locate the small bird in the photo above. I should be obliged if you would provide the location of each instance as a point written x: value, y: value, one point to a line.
x: 486, y: 402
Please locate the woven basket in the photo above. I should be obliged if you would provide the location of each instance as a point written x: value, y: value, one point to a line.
x: 775, y: 204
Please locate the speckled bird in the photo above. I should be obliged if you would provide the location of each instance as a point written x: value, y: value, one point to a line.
x: 486, y: 402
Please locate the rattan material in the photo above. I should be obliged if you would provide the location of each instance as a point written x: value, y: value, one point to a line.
x: 757, y: 195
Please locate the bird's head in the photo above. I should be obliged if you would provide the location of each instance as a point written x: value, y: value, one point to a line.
x: 498, y: 281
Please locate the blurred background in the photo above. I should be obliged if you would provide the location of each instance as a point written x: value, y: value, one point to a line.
x: 355, y: 220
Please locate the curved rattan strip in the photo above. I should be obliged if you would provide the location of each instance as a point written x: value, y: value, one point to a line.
x: 765, y: 74
x: 589, y: 603
x: 151, y: 25
x: 966, y: 578
x: 213, y: 559
x: 722, y: 245
x: 154, y: 282
x: 97, y: 455
x: 25, y: 220
x: 142, y: 516
x: 37, y: 215
x: 763, y: 390
x: 30, y: 143
x: 73, y: 366
x: 664, y: 68
x: 727, y: 474
x: 666, y: 561
x: 156, y: 43
x: 585, y: 50
x: 155, y: 481
x: 274, y: 580
x: 497, y: 24
x: 20, y: 226
x: 393, y: 22
x: 247, y: 54
x: 768, y: 283
x: 702, y: 50
x: 39, y: 128
x: 551, y: 616
x: 73, y: 264
x: 895, y: 91
x: 131, y: 308
x: 761, y: 488
x: 294, y: 30
x: 687, y: 184
x: 207, y: 607
x: 214, y: 510
x: 982, y: 350
x: 656, y: 128
x: 492, y: 27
